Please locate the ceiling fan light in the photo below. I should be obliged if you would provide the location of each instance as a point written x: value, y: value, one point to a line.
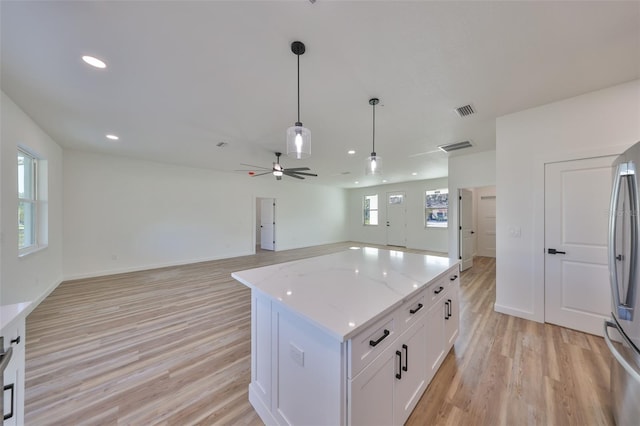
x: 277, y: 173
x: 298, y: 142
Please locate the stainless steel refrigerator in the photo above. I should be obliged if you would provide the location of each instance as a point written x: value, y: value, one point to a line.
x: 624, y: 277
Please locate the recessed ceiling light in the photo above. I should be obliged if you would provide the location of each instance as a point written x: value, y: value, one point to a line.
x: 351, y: 152
x: 356, y: 182
x: 94, y: 62
x: 113, y: 137
x: 414, y: 174
x: 384, y: 181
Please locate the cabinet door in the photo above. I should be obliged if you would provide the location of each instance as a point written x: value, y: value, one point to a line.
x: 10, y: 394
x: 413, y: 372
x: 372, y: 390
x: 435, y: 338
x: 452, y: 317
x: 13, y: 396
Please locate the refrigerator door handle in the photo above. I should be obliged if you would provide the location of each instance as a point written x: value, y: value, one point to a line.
x: 624, y: 170
x: 617, y: 355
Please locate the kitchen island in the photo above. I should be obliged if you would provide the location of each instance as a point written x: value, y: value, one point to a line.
x: 349, y: 338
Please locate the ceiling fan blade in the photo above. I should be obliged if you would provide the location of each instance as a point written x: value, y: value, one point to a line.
x: 304, y: 174
x: 296, y: 169
x: 293, y: 175
x: 261, y: 174
x: 256, y: 167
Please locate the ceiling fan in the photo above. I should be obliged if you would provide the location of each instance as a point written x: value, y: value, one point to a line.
x: 278, y: 171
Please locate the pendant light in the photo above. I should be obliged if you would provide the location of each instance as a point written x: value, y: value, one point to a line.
x: 374, y: 162
x: 298, y: 137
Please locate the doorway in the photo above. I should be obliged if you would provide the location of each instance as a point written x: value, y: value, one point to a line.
x: 396, y: 219
x: 465, y: 231
x: 266, y: 223
x: 476, y: 224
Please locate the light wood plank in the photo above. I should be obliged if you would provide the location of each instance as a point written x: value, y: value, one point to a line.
x: 172, y: 346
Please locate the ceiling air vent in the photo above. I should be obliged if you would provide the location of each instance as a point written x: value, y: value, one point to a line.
x: 465, y: 111
x: 455, y: 146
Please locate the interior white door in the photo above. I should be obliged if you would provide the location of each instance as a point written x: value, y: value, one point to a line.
x: 396, y: 219
x: 465, y: 230
x: 576, y: 217
x: 267, y: 223
x: 486, y: 221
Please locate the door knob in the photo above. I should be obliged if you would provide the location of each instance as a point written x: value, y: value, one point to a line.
x: 554, y: 251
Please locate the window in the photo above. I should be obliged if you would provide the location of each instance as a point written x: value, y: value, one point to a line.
x: 370, y: 209
x: 32, y: 210
x: 436, y: 208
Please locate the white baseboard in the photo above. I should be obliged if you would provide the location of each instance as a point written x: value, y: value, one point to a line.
x: 127, y: 269
x: 39, y: 299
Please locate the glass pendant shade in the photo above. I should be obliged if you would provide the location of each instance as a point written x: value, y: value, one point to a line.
x: 373, y: 165
x: 298, y: 142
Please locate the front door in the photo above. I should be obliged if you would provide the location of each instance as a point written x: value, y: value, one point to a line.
x: 466, y: 232
x: 396, y: 219
x: 267, y: 223
x: 576, y: 218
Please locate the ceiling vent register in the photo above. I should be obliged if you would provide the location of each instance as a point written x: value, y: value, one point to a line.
x: 465, y: 111
x: 455, y: 146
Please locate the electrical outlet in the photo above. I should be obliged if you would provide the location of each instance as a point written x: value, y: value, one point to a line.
x: 297, y: 354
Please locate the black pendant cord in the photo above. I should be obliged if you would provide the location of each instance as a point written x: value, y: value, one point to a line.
x: 298, y: 88
x: 374, y: 128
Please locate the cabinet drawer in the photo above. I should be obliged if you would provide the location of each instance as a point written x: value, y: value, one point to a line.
x: 437, y: 290
x: 367, y: 345
x: 442, y: 285
x: 413, y: 309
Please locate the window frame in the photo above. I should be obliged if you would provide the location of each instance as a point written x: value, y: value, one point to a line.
x: 428, y: 210
x: 366, y: 210
x: 35, y: 197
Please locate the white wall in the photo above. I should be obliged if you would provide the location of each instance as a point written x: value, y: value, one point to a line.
x: 30, y: 277
x: 124, y: 214
x: 467, y: 171
x: 418, y: 237
x: 597, y: 123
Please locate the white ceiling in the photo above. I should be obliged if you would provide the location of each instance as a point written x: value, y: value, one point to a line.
x: 184, y: 76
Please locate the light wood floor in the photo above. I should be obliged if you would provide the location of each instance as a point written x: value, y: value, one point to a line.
x: 172, y: 346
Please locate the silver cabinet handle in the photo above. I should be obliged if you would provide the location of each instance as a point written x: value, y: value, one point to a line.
x: 4, y: 361
x: 625, y: 364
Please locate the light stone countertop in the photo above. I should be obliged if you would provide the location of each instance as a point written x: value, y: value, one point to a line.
x: 344, y: 292
x: 8, y: 313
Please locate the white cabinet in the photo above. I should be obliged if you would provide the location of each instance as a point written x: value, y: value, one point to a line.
x: 372, y: 392
x: 443, y: 319
x: 452, y: 314
x: 387, y: 390
x: 13, y: 389
x: 348, y: 339
x: 411, y: 380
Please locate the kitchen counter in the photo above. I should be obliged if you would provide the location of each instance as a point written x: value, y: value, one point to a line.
x: 331, y: 335
x: 344, y: 292
x: 9, y: 313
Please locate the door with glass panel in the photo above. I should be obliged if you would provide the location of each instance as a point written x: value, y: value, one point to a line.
x: 396, y: 219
